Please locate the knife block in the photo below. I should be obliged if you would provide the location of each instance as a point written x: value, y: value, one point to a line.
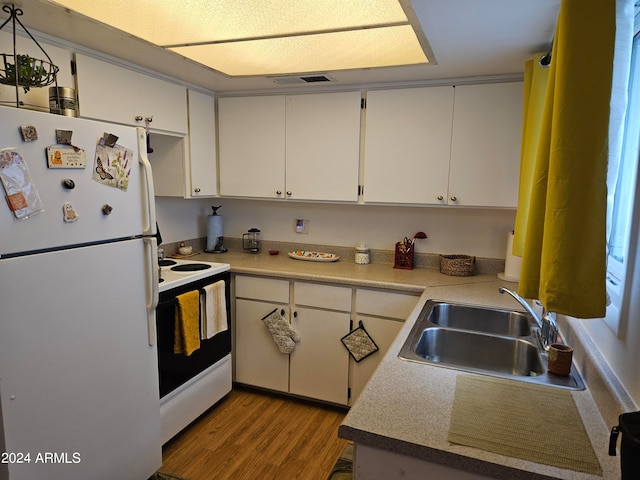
x: 403, y: 256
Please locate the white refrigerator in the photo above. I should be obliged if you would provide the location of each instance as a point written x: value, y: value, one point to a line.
x: 78, y: 291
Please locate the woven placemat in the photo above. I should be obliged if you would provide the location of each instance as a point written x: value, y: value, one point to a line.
x: 520, y: 420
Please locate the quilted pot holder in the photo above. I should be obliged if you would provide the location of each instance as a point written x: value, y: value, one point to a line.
x: 359, y: 343
x: 282, y: 332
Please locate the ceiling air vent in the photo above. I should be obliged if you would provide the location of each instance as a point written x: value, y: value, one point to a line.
x: 300, y: 80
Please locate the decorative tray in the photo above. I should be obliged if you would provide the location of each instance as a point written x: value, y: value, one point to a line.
x: 314, y: 256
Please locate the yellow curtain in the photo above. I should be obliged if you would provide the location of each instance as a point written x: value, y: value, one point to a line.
x: 536, y: 77
x: 564, y: 249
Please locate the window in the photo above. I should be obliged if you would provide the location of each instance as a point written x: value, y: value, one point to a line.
x: 623, y: 236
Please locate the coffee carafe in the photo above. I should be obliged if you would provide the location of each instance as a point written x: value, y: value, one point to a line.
x: 251, y: 240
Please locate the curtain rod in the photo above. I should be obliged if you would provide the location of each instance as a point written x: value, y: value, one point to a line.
x: 545, y: 60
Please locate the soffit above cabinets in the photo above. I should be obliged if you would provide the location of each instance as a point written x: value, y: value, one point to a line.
x: 271, y: 37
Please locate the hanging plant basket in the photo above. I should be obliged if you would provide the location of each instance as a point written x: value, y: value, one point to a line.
x: 32, y: 72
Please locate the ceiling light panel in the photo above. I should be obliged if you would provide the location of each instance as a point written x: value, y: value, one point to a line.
x: 268, y: 37
x: 171, y: 22
x: 381, y: 47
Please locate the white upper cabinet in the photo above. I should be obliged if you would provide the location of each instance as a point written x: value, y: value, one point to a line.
x: 302, y: 147
x: 251, y: 146
x: 407, y: 145
x: 323, y: 146
x: 116, y: 94
x: 444, y: 145
x: 485, y: 146
x: 202, y: 145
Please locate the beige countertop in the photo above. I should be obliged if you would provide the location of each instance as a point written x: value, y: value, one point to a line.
x: 406, y: 406
x: 380, y: 275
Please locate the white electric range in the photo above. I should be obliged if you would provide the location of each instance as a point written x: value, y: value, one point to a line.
x: 189, y: 385
x: 177, y: 272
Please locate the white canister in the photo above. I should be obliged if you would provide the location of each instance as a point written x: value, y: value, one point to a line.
x: 362, y: 254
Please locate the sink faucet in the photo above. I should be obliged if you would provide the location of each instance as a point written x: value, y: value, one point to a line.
x: 546, y: 323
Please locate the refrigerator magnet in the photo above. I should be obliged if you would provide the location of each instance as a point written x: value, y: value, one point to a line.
x: 29, y: 133
x: 64, y: 136
x: 66, y: 157
x: 69, y: 214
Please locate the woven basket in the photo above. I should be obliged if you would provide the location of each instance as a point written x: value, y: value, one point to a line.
x: 457, y: 265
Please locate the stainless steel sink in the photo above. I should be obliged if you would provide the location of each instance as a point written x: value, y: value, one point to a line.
x: 480, y: 319
x: 497, y: 342
x: 498, y: 354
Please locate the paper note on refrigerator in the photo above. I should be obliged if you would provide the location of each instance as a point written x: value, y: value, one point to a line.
x: 112, y: 165
x: 21, y: 194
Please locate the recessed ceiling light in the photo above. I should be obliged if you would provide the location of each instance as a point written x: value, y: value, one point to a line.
x: 271, y: 37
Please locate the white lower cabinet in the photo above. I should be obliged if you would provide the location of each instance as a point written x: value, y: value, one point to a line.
x: 382, y: 331
x: 382, y: 314
x: 258, y: 361
x: 320, y: 367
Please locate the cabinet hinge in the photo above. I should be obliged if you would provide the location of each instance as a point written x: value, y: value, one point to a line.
x: 363, y: 103
x: 73, y: 67
x: 360, y: 190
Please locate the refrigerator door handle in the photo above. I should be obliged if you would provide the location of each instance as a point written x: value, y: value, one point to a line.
x: 151, y: 259
x: 149, y: 193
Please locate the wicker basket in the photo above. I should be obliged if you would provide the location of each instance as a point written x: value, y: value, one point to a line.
x: 457, y: 265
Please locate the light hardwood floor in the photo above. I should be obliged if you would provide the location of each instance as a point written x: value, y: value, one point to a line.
x: 256, y: 435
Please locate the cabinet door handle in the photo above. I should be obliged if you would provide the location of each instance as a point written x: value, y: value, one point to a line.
x: 278, y: 192
x: 289, y: 193
x: 197, y: 190
x: 295, y: 314
x: 138, y: 118
x: 454, y: 199
x: 440, y: 197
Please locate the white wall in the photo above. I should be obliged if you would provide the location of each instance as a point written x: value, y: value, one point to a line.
x: 621, y: 351
x: 480, y: 232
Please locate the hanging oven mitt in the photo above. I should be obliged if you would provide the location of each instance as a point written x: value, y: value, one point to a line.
x: 359, y: 343
x: 282, y: 332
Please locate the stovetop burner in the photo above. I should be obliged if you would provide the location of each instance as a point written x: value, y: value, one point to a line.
x: 166, y: 262
x: 190, y: 267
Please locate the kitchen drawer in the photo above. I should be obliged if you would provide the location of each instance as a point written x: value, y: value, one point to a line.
x: 385, y: 304
x: 267, y: 289
x: 322, y: 296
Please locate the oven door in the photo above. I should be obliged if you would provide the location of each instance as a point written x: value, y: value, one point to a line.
x: 176, y: 369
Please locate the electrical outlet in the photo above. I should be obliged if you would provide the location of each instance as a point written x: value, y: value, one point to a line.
x: 302, y: 225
